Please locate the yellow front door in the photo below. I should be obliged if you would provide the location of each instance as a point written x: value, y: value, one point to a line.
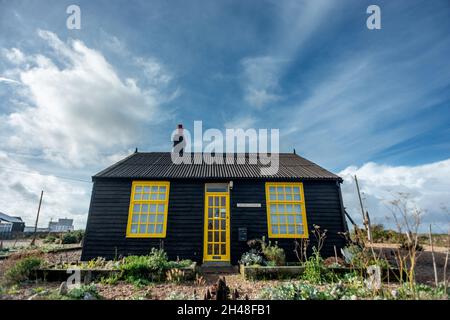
x: 217, y: 227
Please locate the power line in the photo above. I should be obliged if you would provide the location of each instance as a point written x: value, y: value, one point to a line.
x: 36, y: 173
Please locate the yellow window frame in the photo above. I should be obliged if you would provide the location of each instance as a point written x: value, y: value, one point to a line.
x: 149, y: 202
x: 300, y: 202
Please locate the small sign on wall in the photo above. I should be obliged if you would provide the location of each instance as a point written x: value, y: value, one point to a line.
x: 248, y: 205
x: 242, y: 234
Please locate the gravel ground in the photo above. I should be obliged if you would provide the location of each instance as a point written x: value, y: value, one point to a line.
x: 251, y: 289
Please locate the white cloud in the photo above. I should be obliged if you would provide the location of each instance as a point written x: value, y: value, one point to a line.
x: 427, y: 185
x: 20, y: 188
x: 7, y: 80
x: 260, y: 80
x: 14, y: 55
x: 77, y: 106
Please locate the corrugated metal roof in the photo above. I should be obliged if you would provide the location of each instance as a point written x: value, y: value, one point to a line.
x: 5, y: 217
x: 159, y: 165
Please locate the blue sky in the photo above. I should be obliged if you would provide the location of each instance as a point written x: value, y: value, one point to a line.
x: 344, y: 96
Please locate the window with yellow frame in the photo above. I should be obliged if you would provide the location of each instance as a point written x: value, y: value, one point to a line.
x: 286, y: 214
x: 147, y: 216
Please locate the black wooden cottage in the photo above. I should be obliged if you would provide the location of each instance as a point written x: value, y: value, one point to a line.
x: 208, y: 212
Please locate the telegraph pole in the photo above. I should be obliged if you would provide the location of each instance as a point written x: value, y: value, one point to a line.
x: 37, y: 219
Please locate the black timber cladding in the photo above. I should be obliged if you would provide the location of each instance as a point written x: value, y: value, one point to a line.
x: 159, y: 165
x: 108, y: 215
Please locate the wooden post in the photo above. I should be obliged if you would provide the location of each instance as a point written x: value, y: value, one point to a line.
x: 365, y: 214
x: 434, y: 261
x: 446, y: 261
x: 37, y: 219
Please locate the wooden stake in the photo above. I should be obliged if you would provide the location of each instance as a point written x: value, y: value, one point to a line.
x: 37, y: 219
x: 436, y: 281
x: 365, y: 214
x: 446, y: 261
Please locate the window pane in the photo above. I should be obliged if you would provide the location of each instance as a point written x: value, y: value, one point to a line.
x: 280, y: 196
x: 282, y: 229
x: 147, y: 189
x: 272, y: 189
x: 145, y: 208
x: 137, y: 196
x: 136, y: 208
x: 152, y: 208
x: 280, y: 208
x: 297, y: 208
x: 162, y: 189
x: 273, y: 208
x: 210, y: 224
x: 223, y: 236
x: 275, y: 229
x: 134, y: 228
x: 280, y: 189
x: 144, y: 217
x: 138, y: 189
x: 210, y: 212
x: 290, y: 219
x: 222, y: 224
x: 273, y: 196
x: 151, y: 228
x: 297, y: 197
x: 162, y: 196
x: 289, y: 197
x: 274, y: 218
x: 222, y: 249
x: 216, y: 201
x: 297, y: 190
x: 154, y: 189
x: 210, y: 249
x: 159, y: 228
x: 145, y: 196
x: 216, y: 224
x: 222, y: 201
x: 210, y: 201
x: 298, y: 219
x: 291, y: 230
x: 216, y: 236
x: 154, y: 196
x: 142, y: 228
x: 151, y: 218
x: 216, y: 212
x: 210, y: 236
x: 289, y: 208
x: 288, y: 189
x: 299, y: 229
x: 160, y: 208
x: 135, y: 218
x: 216, y: 249
x: 282, y: 218
x: 160, y: 218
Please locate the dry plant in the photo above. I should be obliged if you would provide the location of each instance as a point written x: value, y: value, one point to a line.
x: 300, y: 249
x: 407, y: 218
x: 320, y: 236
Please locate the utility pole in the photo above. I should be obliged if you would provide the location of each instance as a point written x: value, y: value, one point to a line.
x: 37, y: 219
x: 365, y: 214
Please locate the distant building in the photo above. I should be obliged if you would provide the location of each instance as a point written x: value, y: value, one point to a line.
x: 31, y: 229
x: 62, y: 225
x: 10, y: 225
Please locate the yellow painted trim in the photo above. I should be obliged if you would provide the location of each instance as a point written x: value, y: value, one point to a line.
x: 226, y: 257
x: 302, y: 206
x: 132, y: 202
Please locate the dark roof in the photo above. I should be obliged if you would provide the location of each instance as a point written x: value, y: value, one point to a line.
x: 5, y: 217
x: 159, y: 165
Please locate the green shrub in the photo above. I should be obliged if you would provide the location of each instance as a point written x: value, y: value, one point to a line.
x: 69, y: 238
x: 292, y: 291
x: 49, y: 239
x: 251, y: 258
x: 145, y: 268
x: 22, y: 270
x: 88, y: 292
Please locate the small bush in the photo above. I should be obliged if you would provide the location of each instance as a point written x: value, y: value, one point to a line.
x: 136, y: 269
x: 251, y: 258
x: 23, y: 270
x: 86, y: 292
x: 49, y: 239
x: 69, y: 238
x: 273, y: 254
